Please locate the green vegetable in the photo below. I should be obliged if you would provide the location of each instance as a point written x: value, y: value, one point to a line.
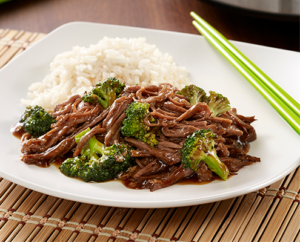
x: 71, y: 166
x: 217, y: 103
x: 36, y: 121
x: 97, y: 163
x: 194, y: 94
x: 105, y: 93
x: 200, y: 147
x: 134, y: 125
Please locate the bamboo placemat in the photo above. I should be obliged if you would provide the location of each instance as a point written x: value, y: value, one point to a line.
x: 270, y: 214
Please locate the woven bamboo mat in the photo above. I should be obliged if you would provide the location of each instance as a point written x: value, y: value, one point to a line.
x: 270, y: 214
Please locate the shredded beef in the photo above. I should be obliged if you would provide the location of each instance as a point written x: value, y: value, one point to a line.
x: 175, y: 119
x: 118, y: 107
x: 170, y: 178
x: 167, y: 157
x: 84, y: 139
x: 203, y: 173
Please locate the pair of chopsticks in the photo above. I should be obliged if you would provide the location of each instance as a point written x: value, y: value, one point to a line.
x: 282, y: 102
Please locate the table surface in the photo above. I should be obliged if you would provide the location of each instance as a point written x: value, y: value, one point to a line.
x: 46, y: 15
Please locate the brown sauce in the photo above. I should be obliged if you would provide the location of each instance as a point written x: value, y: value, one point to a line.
x: 193, y: 180
x: 57, y: 163
x: 187, y: 181
x: 17, y: 130
x: 42, y: 163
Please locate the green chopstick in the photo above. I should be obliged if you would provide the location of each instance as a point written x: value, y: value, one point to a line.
x: 285, y: 97
x: 283, y: 109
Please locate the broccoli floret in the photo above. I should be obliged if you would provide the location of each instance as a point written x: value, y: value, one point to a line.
x: 134, y: 125
x: 71, y: 166
x: 98, y: 163
x: 200, y: 147
x: 194, y: 94
x: 217, y: 103
x: 28, y: 111
x: 105, y: 93
x: 36, y: 121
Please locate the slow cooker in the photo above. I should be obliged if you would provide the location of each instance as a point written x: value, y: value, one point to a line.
x: 276, y: 9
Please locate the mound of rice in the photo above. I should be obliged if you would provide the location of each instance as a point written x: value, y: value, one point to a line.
x: 132, y: 61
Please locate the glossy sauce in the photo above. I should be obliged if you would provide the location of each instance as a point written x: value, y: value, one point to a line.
x: 187, y: 181
x: 57, y: 163
x: 17, y: 130
x: 193, y: 180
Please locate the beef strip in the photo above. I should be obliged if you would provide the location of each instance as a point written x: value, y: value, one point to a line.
x: 249, y: 132
x: 198, y: 107
x: 152, y: 88
x: 179, y: 131
x: 66, y: 109
x: 152, y: 168
x: 167, y: 157
x: 93, y: 122
x: 52, y: 153
x: 246, y: 158
x: 203, y: 173
x: 171, y: 106
x: 170, y: 144
x: 222, y: 149
x: 73, y: 119
x: 168, y: 123
x: 170, y: 178
x: 167, y: 113
x: 65, y: 103
x: 216, y: 128
x: 159, y: 115
x: 147, y: 91
x: 162, y: 95
x: 140, y: 153
x: 114, y: 130
x: 233, y: 164
x: 234, y: 130
x: 117, y: 108
x: 138, y: 162
x: 182, y: 102
x: 225, y: 122
x: 248, y: 120
x: 37, y: 145
x: 197, y: 123
x: 132, y: 89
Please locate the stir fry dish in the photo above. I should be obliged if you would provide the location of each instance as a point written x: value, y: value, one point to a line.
x: 151, y: 137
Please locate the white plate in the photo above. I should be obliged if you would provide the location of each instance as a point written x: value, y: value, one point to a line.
x: 277, y: 144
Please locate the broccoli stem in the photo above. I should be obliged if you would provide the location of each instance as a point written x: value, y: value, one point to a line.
x: 216, y: 166
x: 79, y: 136
x: 96, y: 146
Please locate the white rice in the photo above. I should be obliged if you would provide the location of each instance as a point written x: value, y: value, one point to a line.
x: 132, y: 61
